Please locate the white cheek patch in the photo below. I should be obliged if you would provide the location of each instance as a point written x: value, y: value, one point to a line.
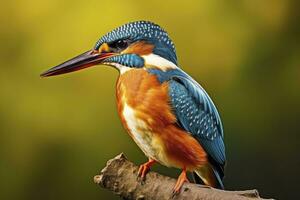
x: 159, y: 62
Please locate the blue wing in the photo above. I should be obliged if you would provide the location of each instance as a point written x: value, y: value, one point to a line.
x: 197, y: 114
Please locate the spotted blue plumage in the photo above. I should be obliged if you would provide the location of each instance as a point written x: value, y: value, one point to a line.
x: 199, y: 119
x: 146, y: 31
x: 130, y: 60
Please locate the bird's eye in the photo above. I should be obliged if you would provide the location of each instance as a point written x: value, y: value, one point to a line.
x: 121, y: 44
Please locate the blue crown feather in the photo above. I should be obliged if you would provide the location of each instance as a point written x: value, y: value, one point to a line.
x: 143, y: 30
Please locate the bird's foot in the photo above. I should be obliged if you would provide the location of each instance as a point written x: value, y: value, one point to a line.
x: 180, y: 181
x: 144, y: 168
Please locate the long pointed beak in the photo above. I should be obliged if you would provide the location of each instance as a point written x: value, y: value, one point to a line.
x: 87, y: 59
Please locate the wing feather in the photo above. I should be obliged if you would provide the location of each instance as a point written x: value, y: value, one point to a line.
x: 197, y: 114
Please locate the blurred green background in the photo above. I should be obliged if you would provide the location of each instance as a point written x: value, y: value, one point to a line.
x: 57, y: 133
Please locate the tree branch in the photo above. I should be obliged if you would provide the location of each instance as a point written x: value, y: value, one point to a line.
x: 120, y: 176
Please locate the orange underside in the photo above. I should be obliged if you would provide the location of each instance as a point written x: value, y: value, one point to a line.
x: 150, y: 101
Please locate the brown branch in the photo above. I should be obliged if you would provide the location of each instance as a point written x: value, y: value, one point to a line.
x: 120, y: 176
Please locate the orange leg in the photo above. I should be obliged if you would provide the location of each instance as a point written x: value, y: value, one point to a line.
x: 144, y: 168
x: 180, y: 181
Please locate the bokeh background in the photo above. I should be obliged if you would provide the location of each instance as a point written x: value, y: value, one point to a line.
x: 57, y: 133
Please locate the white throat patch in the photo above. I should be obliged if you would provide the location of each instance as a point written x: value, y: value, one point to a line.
x: 122, y: 69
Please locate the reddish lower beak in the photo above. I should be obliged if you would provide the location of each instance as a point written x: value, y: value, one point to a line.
x: 85, y: 60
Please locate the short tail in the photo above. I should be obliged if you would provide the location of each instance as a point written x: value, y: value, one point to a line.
x: 208, y: 175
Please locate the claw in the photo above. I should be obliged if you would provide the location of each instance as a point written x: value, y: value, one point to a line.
x: 180, y: 181
x: 144, y: 168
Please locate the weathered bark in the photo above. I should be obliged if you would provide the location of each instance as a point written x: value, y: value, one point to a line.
x: 120, y: 176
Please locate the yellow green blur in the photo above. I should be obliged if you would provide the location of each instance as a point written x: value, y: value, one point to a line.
x: 57, y: 133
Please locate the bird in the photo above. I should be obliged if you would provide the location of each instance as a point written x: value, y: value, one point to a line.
x: 165, y: 111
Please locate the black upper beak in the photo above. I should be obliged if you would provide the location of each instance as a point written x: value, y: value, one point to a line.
x: 87, y: 59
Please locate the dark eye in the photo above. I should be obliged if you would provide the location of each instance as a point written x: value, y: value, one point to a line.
x: 121, y: 44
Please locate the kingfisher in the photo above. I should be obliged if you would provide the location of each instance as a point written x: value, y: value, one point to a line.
x: 165, y: 111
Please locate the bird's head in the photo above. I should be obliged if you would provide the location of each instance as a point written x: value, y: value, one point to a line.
x: 133, y: 45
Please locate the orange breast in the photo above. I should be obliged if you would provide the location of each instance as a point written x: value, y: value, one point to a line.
x: 144, y: 107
